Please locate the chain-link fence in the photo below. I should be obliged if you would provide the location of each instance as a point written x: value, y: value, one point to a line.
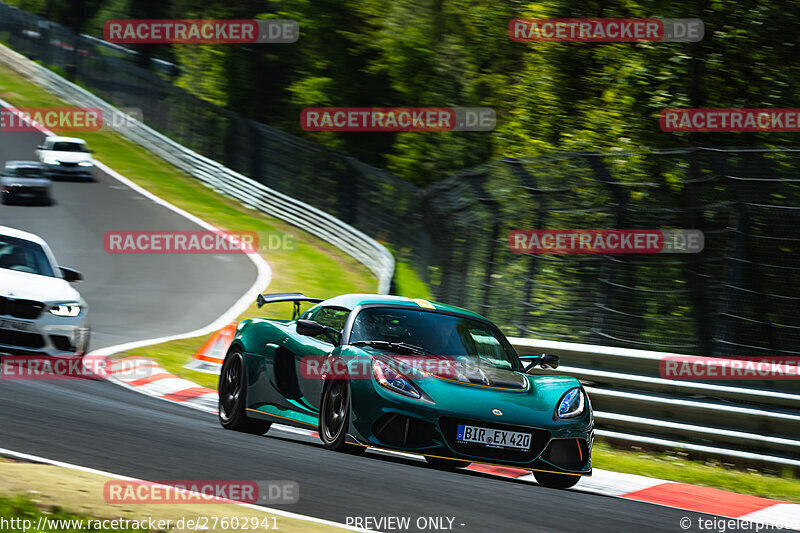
x: 739, y: 296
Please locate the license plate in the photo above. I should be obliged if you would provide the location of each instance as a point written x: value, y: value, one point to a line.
x: 493, y: 438
x: 18, y: 325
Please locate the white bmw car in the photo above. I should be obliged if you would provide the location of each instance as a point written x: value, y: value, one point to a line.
x: 40, y: 312
x: 67, y: 157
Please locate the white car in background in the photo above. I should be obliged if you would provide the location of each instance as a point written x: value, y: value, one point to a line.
x: 40, y: 312
x: 67, y: 157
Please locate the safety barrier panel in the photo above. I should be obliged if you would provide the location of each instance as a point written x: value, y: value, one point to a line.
x: 757, y: 421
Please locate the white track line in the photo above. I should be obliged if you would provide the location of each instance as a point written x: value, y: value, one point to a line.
x: 37, y: 459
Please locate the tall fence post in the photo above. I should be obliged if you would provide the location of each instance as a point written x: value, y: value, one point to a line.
x: 602, y: 174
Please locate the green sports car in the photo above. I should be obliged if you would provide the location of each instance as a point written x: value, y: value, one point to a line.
x: 395, y: 373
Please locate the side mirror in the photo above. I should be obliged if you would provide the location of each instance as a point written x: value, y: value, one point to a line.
x: 70, y: 275
x: 548, y: 360
x: 311, y: 328
x: 543, y: 361
x: 40, y: 147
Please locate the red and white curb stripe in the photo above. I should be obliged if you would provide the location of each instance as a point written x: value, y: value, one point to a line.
x: 146, y: 376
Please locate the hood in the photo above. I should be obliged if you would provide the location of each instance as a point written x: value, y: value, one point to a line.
x: 511, y: 398
x: 22, y: 180
x: 25, y: 286
x: 67, y: 157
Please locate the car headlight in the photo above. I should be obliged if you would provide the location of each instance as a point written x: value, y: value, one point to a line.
x: 393, y: 380
x: 85, y: 164
x: 50, y: 161
x: 572, y: 404
x: 70, y: 309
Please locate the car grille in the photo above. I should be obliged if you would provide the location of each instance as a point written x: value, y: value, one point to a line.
x: 63, y: 164
x: 402, y: 431
x: 21, y: 338
x: 449, y: 428
x: 20, y: 308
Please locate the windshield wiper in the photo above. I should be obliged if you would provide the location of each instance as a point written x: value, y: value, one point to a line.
x: 396, y: 346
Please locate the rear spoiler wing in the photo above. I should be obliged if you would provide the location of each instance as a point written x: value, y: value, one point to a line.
x: 295, y: 297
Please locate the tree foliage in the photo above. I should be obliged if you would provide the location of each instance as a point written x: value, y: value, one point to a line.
x: 548, y: 96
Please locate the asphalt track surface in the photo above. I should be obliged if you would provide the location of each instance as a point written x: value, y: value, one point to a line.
x: 100, y: 425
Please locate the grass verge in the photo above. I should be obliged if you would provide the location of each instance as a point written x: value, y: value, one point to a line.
x: 34, y: 491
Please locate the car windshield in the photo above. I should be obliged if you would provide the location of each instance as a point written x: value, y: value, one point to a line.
x: 24, y: 256
x: 23, y: 172
x: 451, y: 336
x: 69, y: 147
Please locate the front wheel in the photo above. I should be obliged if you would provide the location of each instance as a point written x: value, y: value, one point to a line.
x: 232, y: 392
x: 334, y: 417
x: 556, y: 481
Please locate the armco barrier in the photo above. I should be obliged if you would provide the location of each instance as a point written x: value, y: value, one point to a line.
x: 751, y: 421
x: 249, y: 192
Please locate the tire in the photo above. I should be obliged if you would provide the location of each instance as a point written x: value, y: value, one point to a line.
x: 556, y: 481
x: 232, y: 391
x: 441, y: 463
x: 334, y: 417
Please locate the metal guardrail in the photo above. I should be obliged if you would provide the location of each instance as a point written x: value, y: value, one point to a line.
x: 752, y: 421
x: 249, y: 192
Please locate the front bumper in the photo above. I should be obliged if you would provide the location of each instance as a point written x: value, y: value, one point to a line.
x: 394, y: 422
x: 25, y: 192
x: 68, y: 171
x: 46, y: 335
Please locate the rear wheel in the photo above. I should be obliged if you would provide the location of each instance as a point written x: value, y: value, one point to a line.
x: 334, y: 417
x: 233, y: 397
x: 556, y: 481
x: 443, y: 463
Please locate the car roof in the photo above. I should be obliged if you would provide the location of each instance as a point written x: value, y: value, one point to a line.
x: 19, y: 234
x: 351, y: 301
x: 56, y: 138
x: 18, y: 164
